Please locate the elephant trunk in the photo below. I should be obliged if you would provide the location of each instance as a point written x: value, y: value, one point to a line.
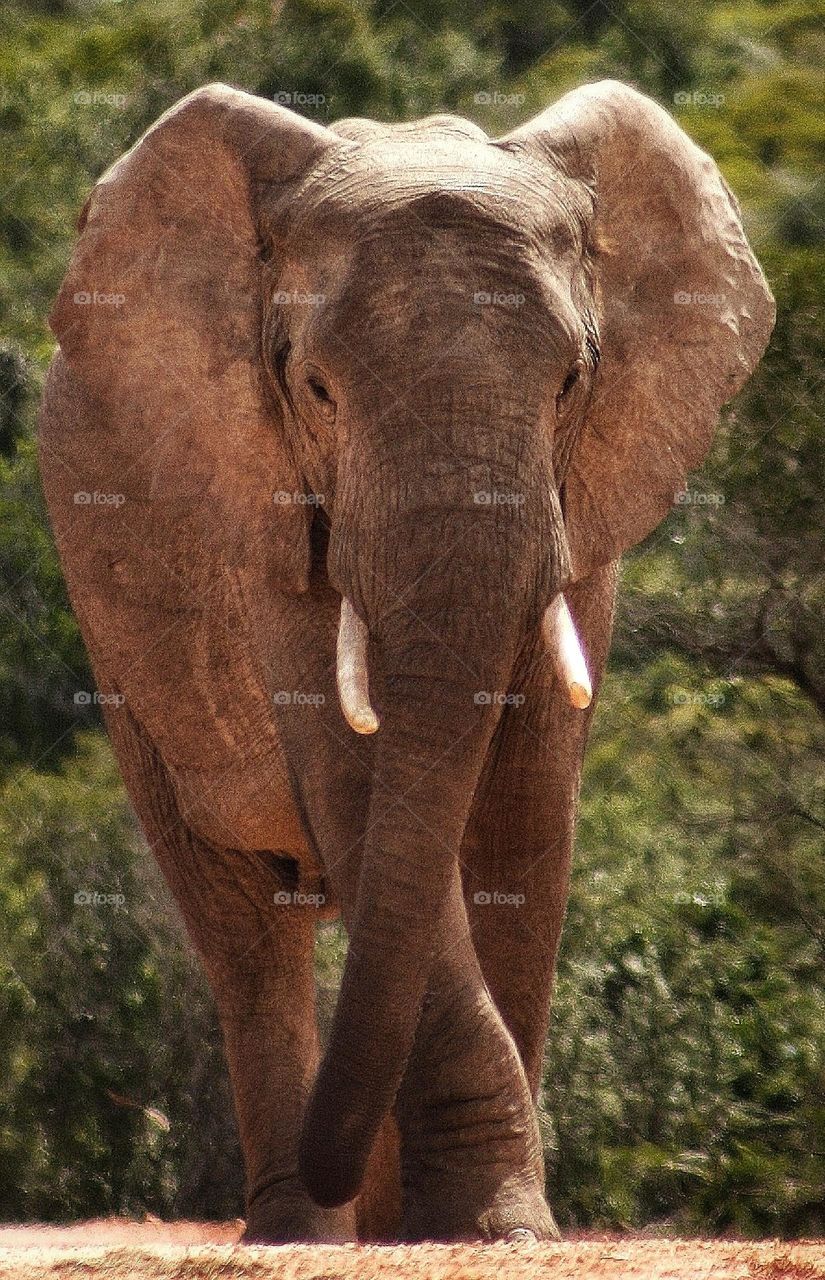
x: 444, y: 577
x: 443, y: 640
x: 429, y: 752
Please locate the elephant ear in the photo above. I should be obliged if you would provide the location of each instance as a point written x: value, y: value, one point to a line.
x: 164, y: 459
x: 685, y: 312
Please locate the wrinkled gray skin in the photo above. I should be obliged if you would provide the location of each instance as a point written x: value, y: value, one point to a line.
x: 297, y: 311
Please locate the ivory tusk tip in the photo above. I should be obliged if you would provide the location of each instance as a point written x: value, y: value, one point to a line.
x: 367, y: 722
x: 352, y: 676
x: 580, y: 695
x: 566, y: 651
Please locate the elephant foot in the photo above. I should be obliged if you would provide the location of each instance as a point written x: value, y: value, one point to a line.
x: 475, y: 1183
x: 462, y: 1210
x: 286, y: 1215
x: 471, y: 1158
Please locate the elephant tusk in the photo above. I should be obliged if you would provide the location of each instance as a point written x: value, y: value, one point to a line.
x: 562, y: 640
x: 352, y: 673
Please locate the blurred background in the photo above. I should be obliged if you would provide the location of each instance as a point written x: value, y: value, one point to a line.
x: 685, y: 1083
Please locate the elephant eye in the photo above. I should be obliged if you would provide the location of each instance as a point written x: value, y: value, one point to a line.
x: 319, y: 390
x: 569, y: 383
x: 321, y: 395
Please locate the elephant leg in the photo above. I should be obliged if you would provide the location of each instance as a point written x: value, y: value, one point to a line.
x: 518, y: 846
x: 258, y: 956
x: 471, y: 1156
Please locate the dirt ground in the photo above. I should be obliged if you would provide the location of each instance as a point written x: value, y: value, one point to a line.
x: 114, y: 1249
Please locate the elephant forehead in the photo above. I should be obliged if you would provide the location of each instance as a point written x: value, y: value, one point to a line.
x: 418, y: 179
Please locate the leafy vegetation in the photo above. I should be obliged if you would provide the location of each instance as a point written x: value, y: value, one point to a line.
x: 686, y: 1060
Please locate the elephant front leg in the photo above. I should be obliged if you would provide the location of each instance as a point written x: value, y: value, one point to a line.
x: 267, y: 1008
x: 471, y: 1162
x: 471, y: 1159
x: 258, y: 956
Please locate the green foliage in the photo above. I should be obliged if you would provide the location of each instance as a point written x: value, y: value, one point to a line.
x: 686, y: 1057
x: 685, y: 1072
x: 113, y: 1095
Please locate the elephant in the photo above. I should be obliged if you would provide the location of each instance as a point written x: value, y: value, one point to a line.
x: 346, y: 431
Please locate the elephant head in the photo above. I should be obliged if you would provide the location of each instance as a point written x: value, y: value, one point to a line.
x: 495, y: 359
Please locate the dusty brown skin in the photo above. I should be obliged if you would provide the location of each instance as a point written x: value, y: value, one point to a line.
x: 399, y: 319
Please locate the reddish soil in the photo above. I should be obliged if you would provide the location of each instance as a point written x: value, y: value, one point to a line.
x: 114, y: 1249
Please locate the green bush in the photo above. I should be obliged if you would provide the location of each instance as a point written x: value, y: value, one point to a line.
x: 113, y: 1095
x: 686, y: 1058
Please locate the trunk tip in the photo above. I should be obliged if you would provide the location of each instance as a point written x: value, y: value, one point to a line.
x: 329, y: 1182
